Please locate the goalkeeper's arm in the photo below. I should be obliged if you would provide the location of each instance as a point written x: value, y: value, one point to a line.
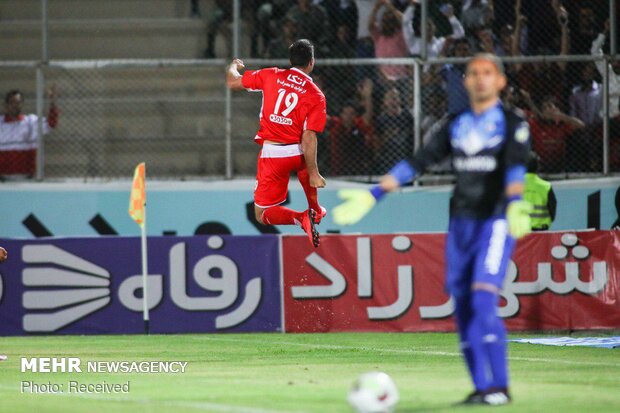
x: 358, y: 202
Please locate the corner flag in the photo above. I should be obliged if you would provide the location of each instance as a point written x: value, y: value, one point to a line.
x: 137, y: 200
x: 137, y: 211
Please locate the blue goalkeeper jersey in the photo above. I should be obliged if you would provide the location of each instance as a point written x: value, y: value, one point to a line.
x: 484, y: 149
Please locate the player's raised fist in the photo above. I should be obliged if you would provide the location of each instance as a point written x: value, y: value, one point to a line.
x: 238, y: 63
x: 3, y: 254
x: 317, y: 181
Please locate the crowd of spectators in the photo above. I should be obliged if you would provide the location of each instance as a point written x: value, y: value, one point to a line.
x: 371, y: 106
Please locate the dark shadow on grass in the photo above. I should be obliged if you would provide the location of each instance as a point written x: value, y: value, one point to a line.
x: 442, y: 407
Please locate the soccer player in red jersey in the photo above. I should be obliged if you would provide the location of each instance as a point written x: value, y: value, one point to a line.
x: 293, y: 112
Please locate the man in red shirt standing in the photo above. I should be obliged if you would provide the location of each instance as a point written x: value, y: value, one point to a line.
x: 19, y: 134
x: 293, y: 112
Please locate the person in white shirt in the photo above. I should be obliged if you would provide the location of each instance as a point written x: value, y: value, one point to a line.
x: 614, y: 72
x: 587, y: 97
x: 19, y: 134
x: 413, y: 32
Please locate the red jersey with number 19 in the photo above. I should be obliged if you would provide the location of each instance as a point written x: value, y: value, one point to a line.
x: 292, y: 103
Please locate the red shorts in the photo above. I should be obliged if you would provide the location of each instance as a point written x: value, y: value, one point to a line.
x: 273, y: 170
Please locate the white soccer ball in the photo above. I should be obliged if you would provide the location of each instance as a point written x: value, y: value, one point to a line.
x: 373, y: 392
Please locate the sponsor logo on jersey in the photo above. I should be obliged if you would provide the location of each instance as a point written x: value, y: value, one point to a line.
x: 280, y: 120
x: 475, y: 164
x: 293, y: 86
x: 296, y: 79
x: 523, y: 133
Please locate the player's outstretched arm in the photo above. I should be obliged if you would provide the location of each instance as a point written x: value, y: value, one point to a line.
x: 233, y: 77
x: 358, y: 202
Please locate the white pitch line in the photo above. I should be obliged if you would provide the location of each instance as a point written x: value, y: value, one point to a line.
x: 197, y: 405
x: 405, y: 351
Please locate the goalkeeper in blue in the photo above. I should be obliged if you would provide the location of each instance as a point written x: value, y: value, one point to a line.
x: 489, y: 147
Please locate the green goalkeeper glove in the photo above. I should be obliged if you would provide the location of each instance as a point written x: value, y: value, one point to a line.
x: 357, y: 203
x: 518, y: 215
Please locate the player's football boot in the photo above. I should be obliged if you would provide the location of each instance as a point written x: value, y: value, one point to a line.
x: 497, y: 397
x: 308, y: 225
x: 493, y: 397
x: 476, y: 397
x: 320, y: 216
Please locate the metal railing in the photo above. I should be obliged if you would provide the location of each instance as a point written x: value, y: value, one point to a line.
x: 213, y: 127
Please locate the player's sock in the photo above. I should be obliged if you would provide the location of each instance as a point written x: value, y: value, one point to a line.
x: 479, y: 333
x: 497, y: 355
x: 279, y: 215
x: 463, y: 318
x: 311, y: 193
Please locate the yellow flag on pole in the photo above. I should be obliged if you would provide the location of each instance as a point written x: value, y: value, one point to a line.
x: 137, y: 200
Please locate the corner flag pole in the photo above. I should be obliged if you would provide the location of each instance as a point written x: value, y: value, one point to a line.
x: 145, y: 271
x: 137, y: 211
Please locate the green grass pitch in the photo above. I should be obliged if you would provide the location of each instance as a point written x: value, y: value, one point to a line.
x: 264, y: 373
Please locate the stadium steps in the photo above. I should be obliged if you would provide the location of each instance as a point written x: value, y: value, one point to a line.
x: 172, y: 117
x: 105, y: 39
x: 173, y: 156
x: 89, y: 9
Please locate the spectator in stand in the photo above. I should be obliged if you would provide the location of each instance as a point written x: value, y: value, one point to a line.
x: 388, y: 39
x: 194, y: 11
x: 400, y: 5
x: 482, y: 40
x: 343, y: 43
x: 267, y: 18
x: 476, y: 14
x: 434, y: 104
x: 505, y: 44
x: 342, y: 87
x: 413, y: 33
x: 342, y: 13
x: 542, y: 79
x: 539, y: 193
x: 510, y: 43
x: 221, y: 15
x: 394, y: 127
x: 365, y: 48
x: 614, y: 71
x: 278, y: 46
x: 19, y: 134
x: 586, y: 31
x: 551, y: 130
x: 542, y: 31
x: 453, y: 75
x: 351, y: 134
x: 587, y: 98
x: 312, y: 24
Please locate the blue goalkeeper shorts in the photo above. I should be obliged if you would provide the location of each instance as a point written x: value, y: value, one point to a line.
x: 477, y: 251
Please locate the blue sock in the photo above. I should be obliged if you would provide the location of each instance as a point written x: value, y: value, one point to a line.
x: 497, y: 356
x: 479, y: 332
x: 463, y: 318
